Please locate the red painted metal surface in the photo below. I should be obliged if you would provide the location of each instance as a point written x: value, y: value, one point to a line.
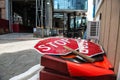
x: 4, y: 26
x: 54, y: 45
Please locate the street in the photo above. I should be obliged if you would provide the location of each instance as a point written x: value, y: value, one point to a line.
x: 17, y: 54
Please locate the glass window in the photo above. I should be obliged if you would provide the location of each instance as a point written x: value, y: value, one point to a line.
x: 71, y: 4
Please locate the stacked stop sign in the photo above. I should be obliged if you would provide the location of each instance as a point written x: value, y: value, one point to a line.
x: 89, y: 48
x: 54, y: 46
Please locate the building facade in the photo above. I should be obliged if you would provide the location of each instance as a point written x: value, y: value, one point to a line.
x: 2, y: 9
x: 24, y: 15
x: 108, y: 13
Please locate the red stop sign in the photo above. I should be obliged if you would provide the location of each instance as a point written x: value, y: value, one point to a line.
x: 54, y: 45
x: 89, y: 48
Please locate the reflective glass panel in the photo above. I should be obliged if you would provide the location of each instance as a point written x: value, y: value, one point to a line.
x: 71, y: 4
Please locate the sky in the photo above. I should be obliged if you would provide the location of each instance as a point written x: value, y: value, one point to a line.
x: 90, y: 10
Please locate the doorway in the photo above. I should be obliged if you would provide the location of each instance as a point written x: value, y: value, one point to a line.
x: 23, y: 15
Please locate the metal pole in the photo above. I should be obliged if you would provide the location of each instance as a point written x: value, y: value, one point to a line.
x: 7, y: 9
x: 36, y: 11
x: 74, y: 24
x: 41, y: 13
x: 64, y: 23
x: 11, y: 15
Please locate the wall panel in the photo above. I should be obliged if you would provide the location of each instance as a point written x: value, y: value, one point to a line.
x: 117, y: 59
x: 107, y: 25
x: 101, y: 11
x: 113, y: 31
x: 104, y: 22
x: 110, y: 30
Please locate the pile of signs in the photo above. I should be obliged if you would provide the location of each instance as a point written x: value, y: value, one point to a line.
x: 73, y: 59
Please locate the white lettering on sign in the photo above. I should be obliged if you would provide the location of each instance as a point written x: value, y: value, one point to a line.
x: 83, y: 46
x: 65, y: 40
x: 44, y: 48
x: 62, y: 42
x: 52, y: 44
x: 47, y: 46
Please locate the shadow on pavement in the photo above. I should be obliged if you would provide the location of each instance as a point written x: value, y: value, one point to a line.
x: 12, y: 64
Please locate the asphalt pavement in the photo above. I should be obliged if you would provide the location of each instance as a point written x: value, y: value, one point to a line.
x: 17, y: 54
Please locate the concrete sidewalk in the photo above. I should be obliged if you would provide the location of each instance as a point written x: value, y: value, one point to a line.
x: 17, y: 36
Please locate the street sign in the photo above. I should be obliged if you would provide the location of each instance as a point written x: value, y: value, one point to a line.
x: 89, y: 48
x: 54, y: 45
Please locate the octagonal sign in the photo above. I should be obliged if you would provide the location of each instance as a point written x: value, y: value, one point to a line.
x: 89, y: 48
x: 54, y: 45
